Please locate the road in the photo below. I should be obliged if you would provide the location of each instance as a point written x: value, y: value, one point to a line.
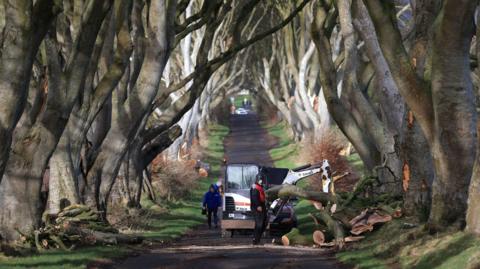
x: 206, y: 249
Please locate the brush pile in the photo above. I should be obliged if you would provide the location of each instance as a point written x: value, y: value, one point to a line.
x: 76, y: 225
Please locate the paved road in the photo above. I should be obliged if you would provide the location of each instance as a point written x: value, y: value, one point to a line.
x: 247, y: 141
x: 206, y: 249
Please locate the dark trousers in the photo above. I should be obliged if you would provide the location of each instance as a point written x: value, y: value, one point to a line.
x: 210, y: 212
x: 260, y: 225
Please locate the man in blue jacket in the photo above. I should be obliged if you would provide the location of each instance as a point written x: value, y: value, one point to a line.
x: 211, y: 201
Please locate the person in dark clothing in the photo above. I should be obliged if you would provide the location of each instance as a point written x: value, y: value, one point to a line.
x: 258, y: 207
x: 211, y: 201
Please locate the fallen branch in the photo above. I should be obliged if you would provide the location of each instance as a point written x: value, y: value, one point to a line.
x: 294, y: 237
x: 360, y: 188
x: 286, y: 191
x: 76, y: 224
x: 333, y: 226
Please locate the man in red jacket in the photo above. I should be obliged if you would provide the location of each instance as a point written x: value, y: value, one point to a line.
x: 258, y: 207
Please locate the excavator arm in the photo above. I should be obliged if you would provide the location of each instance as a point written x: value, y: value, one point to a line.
x: 297, y: 174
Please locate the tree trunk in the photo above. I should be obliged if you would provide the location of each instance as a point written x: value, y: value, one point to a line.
x: 124, y: 127
x: 455, y: 113
x: 62, y: 190
x: 473, y: 212
x: 418, y: 171
x: 31, y: 152
x: 361, y: 141
x: 25, y: 27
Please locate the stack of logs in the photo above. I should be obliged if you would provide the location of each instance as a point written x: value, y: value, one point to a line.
x: 334, y: 217
x: 76, y: 225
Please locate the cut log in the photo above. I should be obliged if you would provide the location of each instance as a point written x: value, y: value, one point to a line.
x: 328, y: 244
x: 202, y: 172
x: 367, y: 219
x: 286, y: 191
x: 92, y: 237
x: 361, y: 228
x: 375, y: 218
x: 349, y: 239
x: 333, y: 226
x: 294, y: 237
x: 317, y: 205
x: 318, y: 237
x: 359, y: 217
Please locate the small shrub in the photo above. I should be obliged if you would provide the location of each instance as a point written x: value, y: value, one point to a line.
x: 173, y: 180
x: 330, y: 147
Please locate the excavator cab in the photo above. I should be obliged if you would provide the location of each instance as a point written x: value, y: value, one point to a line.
x: 239, y: 178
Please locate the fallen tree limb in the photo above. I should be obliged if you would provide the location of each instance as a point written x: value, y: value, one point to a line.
x: 333, y: 226
x: 294, y: 237
x: 335, y: 178
x: 286, y: 191
x: 360, y: 188
x: 76, y: 225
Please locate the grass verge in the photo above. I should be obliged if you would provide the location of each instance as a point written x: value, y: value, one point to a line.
x: 393, y: 246
x: 284, y: 155
x: 165, y: 225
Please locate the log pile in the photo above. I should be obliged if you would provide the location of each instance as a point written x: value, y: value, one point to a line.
x: 367, y: 219
x: 76, y: 225
x: 333, y: 218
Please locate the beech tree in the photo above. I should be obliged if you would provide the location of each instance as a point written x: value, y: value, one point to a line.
x: 92, y: 91
x: 96, y: 72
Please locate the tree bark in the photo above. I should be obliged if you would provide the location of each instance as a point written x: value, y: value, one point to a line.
x: 361, y: 141
x: 20, y: 187
x: 25, y: 27
x: 137, y: 105
x: 445, y: 107
x: 455, y: 113
x: 94, y: 99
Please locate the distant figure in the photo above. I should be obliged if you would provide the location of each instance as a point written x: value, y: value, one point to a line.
x: 211, y: 201
x: 220, y: 190
x: 258, y: 207
x: 219, y: 187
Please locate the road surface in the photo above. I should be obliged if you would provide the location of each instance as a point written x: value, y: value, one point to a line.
x: 206, y: 249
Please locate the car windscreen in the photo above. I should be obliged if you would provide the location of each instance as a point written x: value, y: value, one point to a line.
x: 241, y: 177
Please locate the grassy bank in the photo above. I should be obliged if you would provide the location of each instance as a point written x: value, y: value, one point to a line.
x: 394, y: 246
x: 165, y: 223
x: 285, y: 154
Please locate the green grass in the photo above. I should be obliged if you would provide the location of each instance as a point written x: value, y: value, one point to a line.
x: 164, y: 225
x: 185, y: 214
x: 238, y: 99
x: 392, y: 246
x: 356, y: 163
x: 284, y: 155
x: 63, y: 259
